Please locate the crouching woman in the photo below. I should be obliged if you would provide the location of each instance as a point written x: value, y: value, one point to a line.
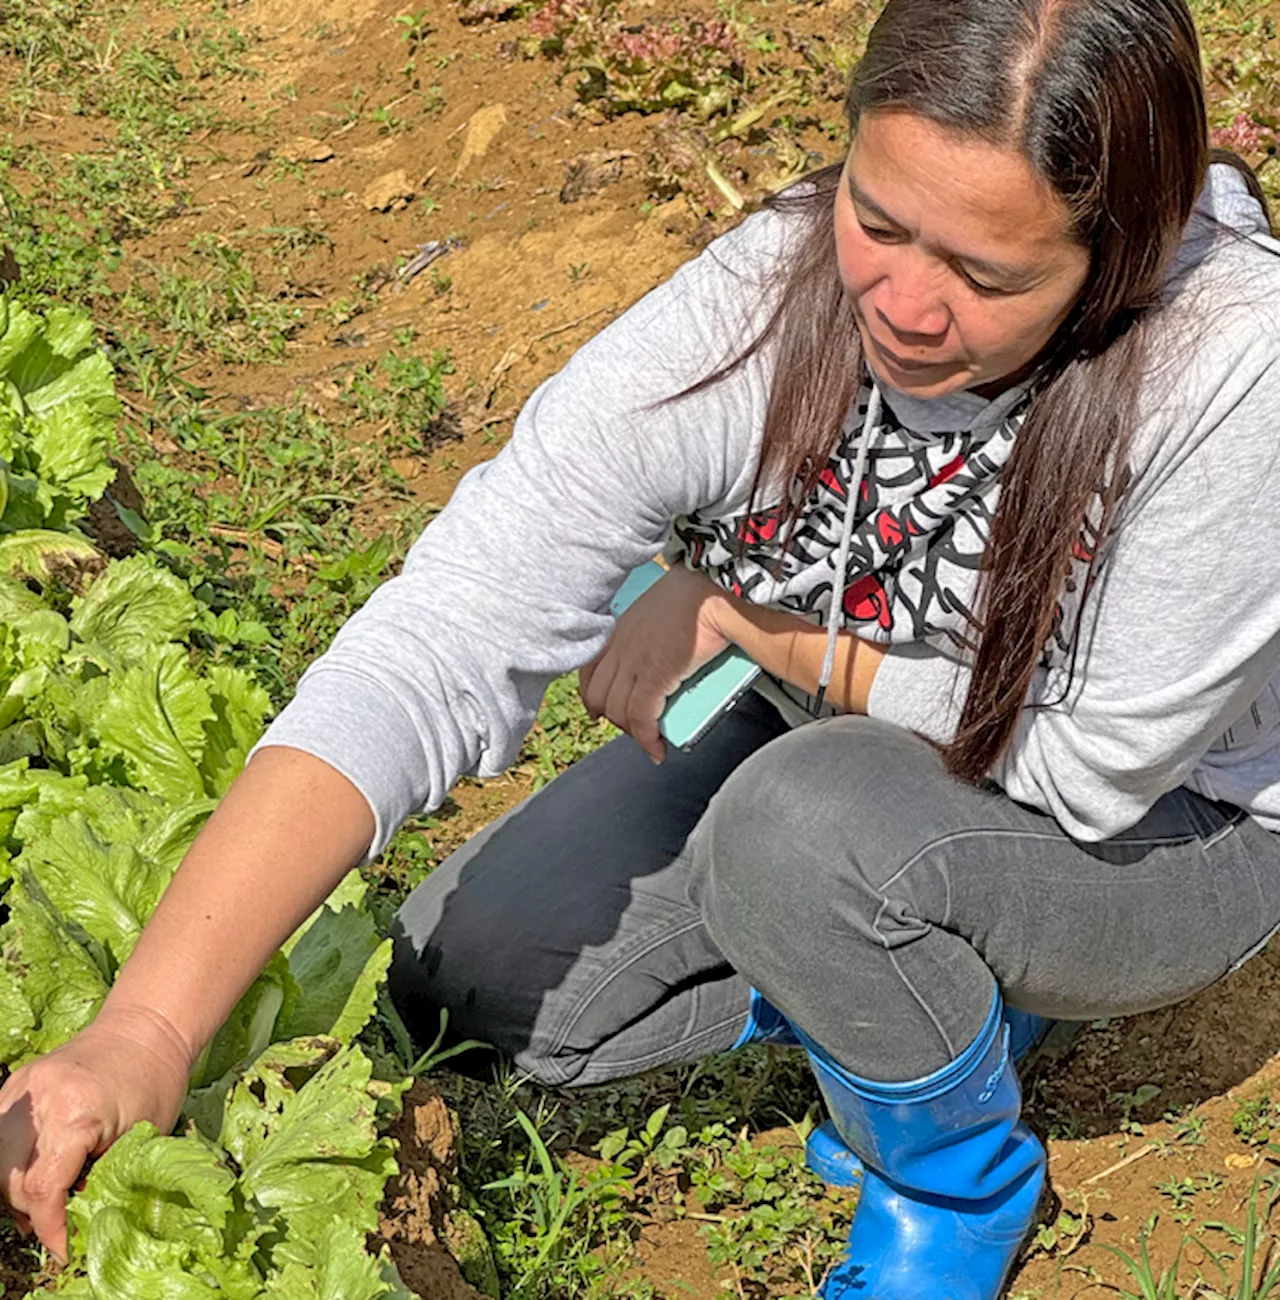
x: 971, y: 444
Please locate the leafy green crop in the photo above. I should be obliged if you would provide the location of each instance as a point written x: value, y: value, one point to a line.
x: 115, y: 745
x: 277, y: 1205
x: 57, y: 415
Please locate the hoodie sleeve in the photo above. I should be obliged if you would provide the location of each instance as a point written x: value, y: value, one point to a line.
x: 442, y: 671
x: 1182, y: 634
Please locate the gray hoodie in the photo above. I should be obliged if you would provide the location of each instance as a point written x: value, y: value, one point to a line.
x: 442, y: 671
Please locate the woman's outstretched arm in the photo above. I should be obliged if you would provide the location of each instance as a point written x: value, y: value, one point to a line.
x: 286, y: 833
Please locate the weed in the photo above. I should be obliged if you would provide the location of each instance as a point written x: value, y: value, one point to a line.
x: 1068, y: 1231
x: 775, y: 1201
x: 1181, y: 1192
x: 415, y: 27
x: 411, y: 1064
x: 404, y: 393
x: 217, y: 306
x: 1253, y: 1120
x: 1258, y: 1278
x: 654, y: 1145
x: 287, y: 169
x: 294, y: 240
x: 1188, y: 1129
x: 553, y: 1218
x: 343, y: 310
x: 1131, y: 1102
x: 563, y: 732
x: 1150, y: 1286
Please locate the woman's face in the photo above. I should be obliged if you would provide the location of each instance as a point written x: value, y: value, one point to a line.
x: 960, y: 261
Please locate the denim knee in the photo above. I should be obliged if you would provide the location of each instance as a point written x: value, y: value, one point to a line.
x: 452, y: 952
x: 778, y: 860
x: 502, y: 983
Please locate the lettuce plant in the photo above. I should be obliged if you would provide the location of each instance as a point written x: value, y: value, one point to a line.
x: 115, y: 746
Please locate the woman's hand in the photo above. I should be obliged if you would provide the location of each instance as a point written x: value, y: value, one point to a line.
x: 660, y: 641
x: 74, y: 1103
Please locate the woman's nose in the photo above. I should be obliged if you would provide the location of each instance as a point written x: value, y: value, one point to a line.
x: 908, y: 301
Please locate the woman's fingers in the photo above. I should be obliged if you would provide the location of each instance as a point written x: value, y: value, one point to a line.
x: 46, y: 1186
x: 42, y: 1158
x: 17, y: 1142
x: 636, y: 706
x: 595, y: 680
x: 588, y: 670
x: 644, y: 710
x: 610, y: 690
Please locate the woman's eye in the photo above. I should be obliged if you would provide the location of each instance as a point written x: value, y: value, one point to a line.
x: 880, y: 233
x: 987, y: 290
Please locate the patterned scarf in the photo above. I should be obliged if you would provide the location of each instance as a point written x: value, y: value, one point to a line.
x: 922, y: 522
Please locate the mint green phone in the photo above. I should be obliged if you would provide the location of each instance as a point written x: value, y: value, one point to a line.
x: 695, y: 706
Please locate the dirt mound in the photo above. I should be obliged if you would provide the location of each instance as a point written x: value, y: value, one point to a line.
x: 438, y: 1249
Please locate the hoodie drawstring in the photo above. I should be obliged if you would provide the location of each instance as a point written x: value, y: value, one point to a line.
x: 840, y: 585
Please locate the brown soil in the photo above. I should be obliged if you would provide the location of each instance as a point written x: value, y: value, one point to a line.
x: 415, y: 1218
x: 1211, y: 1053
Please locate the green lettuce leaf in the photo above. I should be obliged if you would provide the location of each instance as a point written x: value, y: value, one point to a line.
x: 132, y: 605
x: 343, y: 1270
x: 107, y: 890
x: 50, y: 970
x: 114, y: 812
x: 70, y: 444
x: 169, y: 832
x: 17, y: 1017
x: 154, y: 715
x: 44, y: 554
x: 175, y: 1188
x: 158, y: 1220
x: 60, y: 410
x: 29, y: 648
x: 240, y: 707
x: 338, y: 964
x: 16, y: 600
x: 21, y: 787
x: 18, y: 327
x: 350, y: 891
x: 126, y: 1263
x: 309, y: 1153
x: 248, y: 1030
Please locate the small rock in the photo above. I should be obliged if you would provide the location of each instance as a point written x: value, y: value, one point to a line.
x: 1237, y: 1160
x: 406, y: 467
x: 390, y: 192
x: 306, y: 150
x: 482, y: 129
x: 472, y: 12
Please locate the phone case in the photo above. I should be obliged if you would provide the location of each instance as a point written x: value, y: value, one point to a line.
x: 706, y: 696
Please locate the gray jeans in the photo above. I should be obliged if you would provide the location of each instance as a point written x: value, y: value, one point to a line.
x: 615, y: 921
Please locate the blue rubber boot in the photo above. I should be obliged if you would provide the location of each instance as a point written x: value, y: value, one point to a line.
x: 833, y: 1162
x: 951, y: 1176
x: 765, y: 1024
x: 1027, y: 1032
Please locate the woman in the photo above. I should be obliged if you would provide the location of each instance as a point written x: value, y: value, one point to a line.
x: 1032, y: 336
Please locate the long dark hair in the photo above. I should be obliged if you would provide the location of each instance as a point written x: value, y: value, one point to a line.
x: 1106, y: 101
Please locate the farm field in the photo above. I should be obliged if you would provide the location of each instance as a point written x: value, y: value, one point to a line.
x: 321, y: 253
